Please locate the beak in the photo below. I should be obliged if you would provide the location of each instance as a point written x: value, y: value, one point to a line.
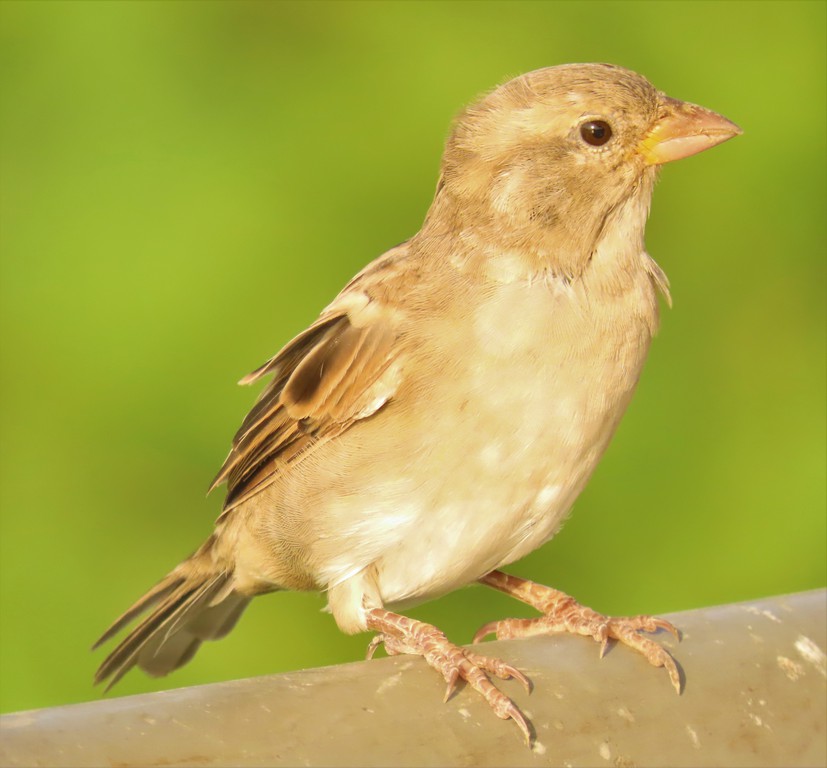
x: 684, y: 129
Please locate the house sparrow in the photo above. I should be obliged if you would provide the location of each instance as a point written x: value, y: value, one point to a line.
x: 439, y: 419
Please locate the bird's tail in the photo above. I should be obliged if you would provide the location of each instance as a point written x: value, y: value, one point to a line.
x: 193, y: 603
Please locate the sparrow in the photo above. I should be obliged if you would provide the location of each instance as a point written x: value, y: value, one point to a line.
x: 441, y: 416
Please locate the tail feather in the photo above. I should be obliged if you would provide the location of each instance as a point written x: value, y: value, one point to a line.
x: 218, y: 619
x: 161, y: 590
x: 167, y: 655
x: 168, y: 650
x: 190, y: 605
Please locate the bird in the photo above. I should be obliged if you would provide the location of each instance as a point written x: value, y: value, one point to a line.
x: 438, y: 420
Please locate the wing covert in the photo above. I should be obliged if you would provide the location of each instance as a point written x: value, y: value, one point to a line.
x: 341, y: 369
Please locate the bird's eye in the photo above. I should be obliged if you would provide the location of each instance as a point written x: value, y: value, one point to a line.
x: 596, y: 132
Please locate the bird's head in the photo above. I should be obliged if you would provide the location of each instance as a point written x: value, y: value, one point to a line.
x: 548, y: 158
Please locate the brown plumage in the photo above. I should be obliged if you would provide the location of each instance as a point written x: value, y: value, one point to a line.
x: 440, y: 417
x: 194, y: 603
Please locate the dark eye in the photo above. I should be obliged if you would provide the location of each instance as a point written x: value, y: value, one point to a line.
x: 596, y: 132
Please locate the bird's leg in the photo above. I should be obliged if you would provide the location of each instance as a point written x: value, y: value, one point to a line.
x: 562, y: 613
x: 403, y: 635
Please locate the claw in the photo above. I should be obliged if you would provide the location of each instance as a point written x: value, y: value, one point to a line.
x: 374, y: 644
x: 669, y: 627
x: 674, y: 674
x: 522, y: 724
x: 517, y: 675
x: 601, y: 635
x: 486, y: 629
x: 452, y: 684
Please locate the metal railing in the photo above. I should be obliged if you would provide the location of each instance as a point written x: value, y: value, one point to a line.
x: 755, y: 694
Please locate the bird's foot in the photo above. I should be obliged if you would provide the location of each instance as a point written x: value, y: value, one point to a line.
x: 562, y: 613
x: 403, y: 635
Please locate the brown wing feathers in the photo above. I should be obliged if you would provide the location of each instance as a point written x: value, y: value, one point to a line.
x: 319, y: 382
x: 323, y: 380
x: 264, y: 420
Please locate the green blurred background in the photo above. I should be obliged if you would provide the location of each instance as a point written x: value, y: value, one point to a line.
x: 185, y: 185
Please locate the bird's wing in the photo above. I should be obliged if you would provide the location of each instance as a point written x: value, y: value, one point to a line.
x: 343, y: 368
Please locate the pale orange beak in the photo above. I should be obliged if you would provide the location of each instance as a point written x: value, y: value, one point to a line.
x: 684, y: 129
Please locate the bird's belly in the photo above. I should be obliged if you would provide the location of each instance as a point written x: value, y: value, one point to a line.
x: 461, y: 540
x: 493, y: 494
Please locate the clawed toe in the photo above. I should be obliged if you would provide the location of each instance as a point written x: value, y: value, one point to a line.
x: 561, y: 613
x: 403, y: 635
x: 664, y: 624
x: 627, y: 631
x: 649, y: 624
x: 498, y: 668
